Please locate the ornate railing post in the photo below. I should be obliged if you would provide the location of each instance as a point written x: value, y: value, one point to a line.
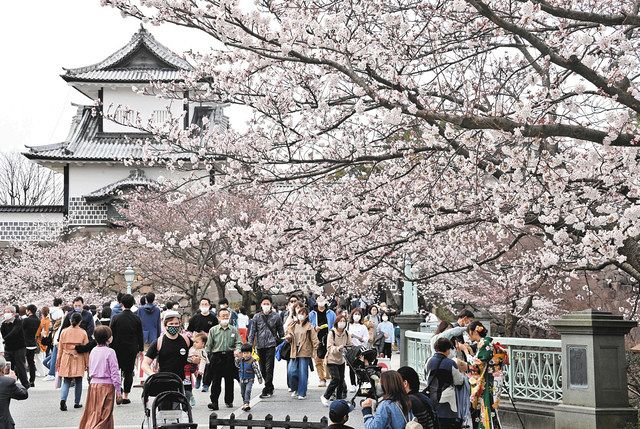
x: 594, y: 379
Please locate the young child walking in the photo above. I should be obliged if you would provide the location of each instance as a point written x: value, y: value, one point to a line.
x: 248, y: 371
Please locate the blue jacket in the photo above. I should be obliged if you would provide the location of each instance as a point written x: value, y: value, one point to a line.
x: 149, y: 314
x: 331, y: 318
x: 388, y: 416
x: 117, y: 309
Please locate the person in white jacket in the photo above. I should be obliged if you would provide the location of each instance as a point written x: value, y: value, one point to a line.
x: 359, y: 336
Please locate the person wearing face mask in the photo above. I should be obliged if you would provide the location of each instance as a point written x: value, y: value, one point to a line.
x: 87, y: 318
x: 105, y: 382
x: 337, y: 339
x: 442, y: 376
x: 322, y: 320
x: 289, y: 316
x: 128, y: 341
x: 223, y: 303
x: 304, y: 343
x: 170, y: 351
x: 359, y: 336
x: 14, y: 344
x: 387, y: 330
x: 265, y: 334
x: 204, y: 320
x: 223, y: 345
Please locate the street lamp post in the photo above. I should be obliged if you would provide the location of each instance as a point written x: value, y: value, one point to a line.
x: 129, y: 276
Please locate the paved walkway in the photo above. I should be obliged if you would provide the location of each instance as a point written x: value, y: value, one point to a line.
x: 41, y: 410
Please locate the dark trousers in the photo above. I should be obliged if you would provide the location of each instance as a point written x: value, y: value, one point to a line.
x: 222, y: 366
x: 17, y: 358
x: 206, y: 377
x: 267, y: 359
x: 127, y: 363
x: 386, y: 349
x: 337, y: 383
x: 449, y: 423
x: 352, y: 377
x: 31, y: 362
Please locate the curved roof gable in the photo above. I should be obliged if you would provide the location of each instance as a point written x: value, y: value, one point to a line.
x: 143, y: 55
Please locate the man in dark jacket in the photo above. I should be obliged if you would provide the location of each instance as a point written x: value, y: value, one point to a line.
x: 149, y: 315
x: 14, y: 345
x: 127, y: 343
x: 422, y: 406
x: 204, y: 320
x: 9, y: 390
x: 266, y: 331
x: 30, y: 326
x: 87, y: 318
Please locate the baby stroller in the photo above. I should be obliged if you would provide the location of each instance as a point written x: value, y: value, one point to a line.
x: 363, y: 362
x: 170, y: 409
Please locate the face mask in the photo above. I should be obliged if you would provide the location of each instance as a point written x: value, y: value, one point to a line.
x: 266, y: 308
x: 8, y: 316
x: 173, y: 330
x: 224, y: 322
x: 322, y: 303
x: 223, y: 306
x: 77, y: 309
x: 385, y: 318
x: 301, y: 317
x: 356, y: 317
x: 204, y: 310
x: 342, y: 325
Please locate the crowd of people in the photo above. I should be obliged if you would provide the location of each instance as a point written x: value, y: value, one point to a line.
x: 108, y: 344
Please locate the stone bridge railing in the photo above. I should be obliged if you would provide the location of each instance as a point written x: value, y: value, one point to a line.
x: 534, y: 373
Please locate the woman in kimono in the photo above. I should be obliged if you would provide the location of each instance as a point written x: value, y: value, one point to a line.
x: 487, y: 365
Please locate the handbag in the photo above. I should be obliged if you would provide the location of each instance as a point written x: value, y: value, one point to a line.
x: 283, y: 351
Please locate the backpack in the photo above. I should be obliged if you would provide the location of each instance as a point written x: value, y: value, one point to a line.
x: 412, y: 422
x: 155, y: 365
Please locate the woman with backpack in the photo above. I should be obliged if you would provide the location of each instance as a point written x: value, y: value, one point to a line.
x: 394, y: 410
x: 304, y: 343
x: 442, y: 378
x: 337, y: 339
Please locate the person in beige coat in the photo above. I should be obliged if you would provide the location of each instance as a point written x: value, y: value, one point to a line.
x: 71, y: 365
x: 304, y: 343
x: 337, y: 339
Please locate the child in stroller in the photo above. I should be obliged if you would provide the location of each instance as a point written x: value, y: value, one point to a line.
x: 170, y: 408
x: 364, y: 363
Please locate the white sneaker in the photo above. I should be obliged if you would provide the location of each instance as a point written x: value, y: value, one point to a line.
x: 324, y: 401
x: 322, y: 384
x: 352, y: 389
x: 302, y: 398
x: 294, y: 394
x: 49, y: 378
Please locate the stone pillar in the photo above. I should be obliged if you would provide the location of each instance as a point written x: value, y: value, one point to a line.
x: 594, y: 377
x: 409, y: 320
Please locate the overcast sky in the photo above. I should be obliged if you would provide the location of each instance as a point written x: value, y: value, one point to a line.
x: 39, y: 38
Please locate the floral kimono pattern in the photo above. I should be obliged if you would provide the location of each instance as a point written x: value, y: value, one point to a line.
x: 490, y: 360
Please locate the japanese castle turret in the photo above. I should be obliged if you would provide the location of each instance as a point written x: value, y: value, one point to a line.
x: 92, y: 156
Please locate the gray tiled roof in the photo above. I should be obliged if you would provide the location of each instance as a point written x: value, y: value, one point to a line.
x: 116, y: 68
x: 136, y: 178
x: 87, y: 144
x: 31, y: 209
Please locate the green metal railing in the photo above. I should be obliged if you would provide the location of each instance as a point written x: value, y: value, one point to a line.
x: 534, y: 373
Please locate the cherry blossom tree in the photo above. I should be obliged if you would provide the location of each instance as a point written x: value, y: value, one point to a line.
x: 36, y: 271
x: 492, y: 142
x: 188, y: 244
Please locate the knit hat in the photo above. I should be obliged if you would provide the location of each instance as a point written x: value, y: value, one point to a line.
x: 338, y: 410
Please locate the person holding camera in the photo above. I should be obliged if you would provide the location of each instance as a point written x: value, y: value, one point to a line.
x: 9, y: 389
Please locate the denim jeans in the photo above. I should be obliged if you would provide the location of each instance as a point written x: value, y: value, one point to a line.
x: 66, y: 385
x: 245, y: 390
x: 50, y: 361
x: 299, y: 374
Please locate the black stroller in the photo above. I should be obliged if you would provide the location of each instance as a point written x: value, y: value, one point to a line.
x: 364, y: 363
x: 170, y: 408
